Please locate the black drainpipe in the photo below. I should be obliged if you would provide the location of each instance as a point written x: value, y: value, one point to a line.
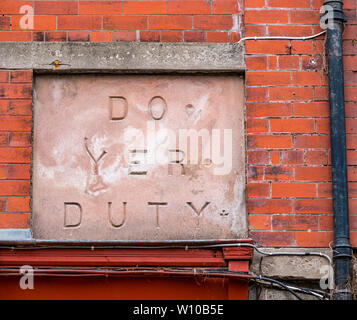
x: 342, y: 253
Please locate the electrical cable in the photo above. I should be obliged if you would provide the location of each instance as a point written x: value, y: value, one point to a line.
x: 281, y: 37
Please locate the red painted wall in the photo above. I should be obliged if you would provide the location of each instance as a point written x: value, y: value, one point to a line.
x: 289, y: 188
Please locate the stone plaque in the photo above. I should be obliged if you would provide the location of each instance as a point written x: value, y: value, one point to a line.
x: 138, y: 157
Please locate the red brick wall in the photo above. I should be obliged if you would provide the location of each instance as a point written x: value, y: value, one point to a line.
x: 289, y: 189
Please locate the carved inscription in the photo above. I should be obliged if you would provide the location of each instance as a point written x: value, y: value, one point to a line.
x: 95, y: 182
x: 138, y: 158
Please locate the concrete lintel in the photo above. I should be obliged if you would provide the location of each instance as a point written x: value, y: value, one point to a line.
x: 122, y: 57
x: 15, y: 234
x: 292, y: 267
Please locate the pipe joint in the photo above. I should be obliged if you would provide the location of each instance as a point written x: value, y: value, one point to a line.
x: 337, y: 12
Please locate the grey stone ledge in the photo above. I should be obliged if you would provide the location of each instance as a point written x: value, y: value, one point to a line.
x: 122, y: 57
x: 15, y: 234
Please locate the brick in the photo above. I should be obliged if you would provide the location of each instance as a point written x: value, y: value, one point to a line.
x: 217, y: 36
x: 350, y: 125
x: 321, y: 93
x: 351, y: 141
x: 255, y: 173
x: 14, y: 188
x: 307, y: 46
x: 225, y: 7
x: 124, y: 23
x: 272, y: 62
x: 289, y: 62
x: 56, y: 36
x: 78, y: 35
x: 254, y: 30
x: 15, y: 123
x: 144, y: 7
x: 275, y: 157
x: 188, y: 7
x: 194, y: 36
x: 4, y: 104
x: 352, y: 173
x: 38, y: 36
x: 125, y: 36
x: 313, y: 174
x: 312, y: 141
x: 259, y: 222
x: 18, y: 204
x: 278, y: 173
x: 15, y: 155
x: 270, y: 141
x: 256, y: 63
x: 257, y: 125
x: 311, y: 109
x: 40, y: 23
x: 258, y: 189
x: 326, y: 223
x: 15, y: 91
x: 291, y: 93
x: 21, y: 76
x: 14, y: 221
x: 313, y: 206
x: 323, y: 125
x: 289, y: 4
x: 20, y: 107
x: 79, y: 22
x: 20, y: 139
x: 267, y: 47
x: 234, y: 36
x: 213, y: 22
x: 352, y: 157
x: 291, y: 31
x: 295, y: 222
x: 102, y: 36
x: 313, y: 239
x: 19, y: 171
x: 2, y: 204
x: 100, y: 7
x: 256, y: 94
x: 258, y: 157
x: 150, y: 36
x: 10, y: 7
x: 4, y: 76
x: 170, y: 22
x: 293, y: 157
x: 171, y: 36
x: 316, y: 157
x: 350, y: 94
x: 10, y: 36
x: 269, y: 109
x: 309, y: 78
x: 59, y: 8
x: 312, y: 62
x: 255, y: 78
x: 305, y: 16
x: 293, y: 190
x: 266, y: 16
x: 352, y: 189
x: 4, y: 137
x: 292, y: 125
x: 274, y: 238
x: 5, y: 23
x: 324, y: 190
x: 270, y: 206
x: 254, y: 4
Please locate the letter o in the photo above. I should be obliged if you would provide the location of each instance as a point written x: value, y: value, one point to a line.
x: 157, y: 107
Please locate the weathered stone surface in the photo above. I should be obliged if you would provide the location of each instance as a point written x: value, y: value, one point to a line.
x: 292, y: 267
x: 95, y: 175
x: 122, y: 57
x: 277, y: 294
